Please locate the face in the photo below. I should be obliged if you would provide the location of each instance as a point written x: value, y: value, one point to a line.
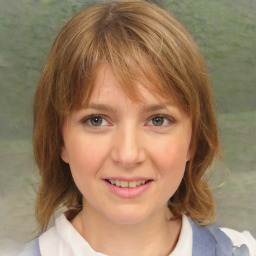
x: 127, y: 158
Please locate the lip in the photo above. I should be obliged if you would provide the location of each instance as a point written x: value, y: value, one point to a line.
x: 135, y: 178
x: 128, y: 192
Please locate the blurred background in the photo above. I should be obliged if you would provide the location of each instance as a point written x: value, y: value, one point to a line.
x: 226, y: 34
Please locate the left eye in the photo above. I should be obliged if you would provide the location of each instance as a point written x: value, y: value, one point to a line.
x: 159, y: 121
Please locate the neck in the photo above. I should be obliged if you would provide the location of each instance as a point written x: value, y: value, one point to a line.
x: 155, y: 236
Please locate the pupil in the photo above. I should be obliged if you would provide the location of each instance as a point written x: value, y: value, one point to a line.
x: 96, y: 121
x: 158, y: 121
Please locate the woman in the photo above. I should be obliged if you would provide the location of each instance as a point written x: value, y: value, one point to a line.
x: 124, y: 130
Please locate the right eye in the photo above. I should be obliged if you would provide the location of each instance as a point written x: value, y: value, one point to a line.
x: 95, y: 121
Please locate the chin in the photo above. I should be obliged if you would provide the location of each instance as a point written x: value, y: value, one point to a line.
x: 128, y: 215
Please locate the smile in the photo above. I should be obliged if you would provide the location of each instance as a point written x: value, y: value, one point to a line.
x: 128, y: 188
x: 127, y: 184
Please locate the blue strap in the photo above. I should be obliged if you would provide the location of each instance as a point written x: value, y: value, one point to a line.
x: 210, y: 241
x: 224, y: 245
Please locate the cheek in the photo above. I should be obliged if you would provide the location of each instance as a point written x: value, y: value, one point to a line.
x: 86, y: 155
x: 85, y: 159
x: 170, y: 156
x: 169, y: 160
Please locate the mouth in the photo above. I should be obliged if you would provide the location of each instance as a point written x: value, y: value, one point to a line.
x: 128, y: 188
x: 127, y: 184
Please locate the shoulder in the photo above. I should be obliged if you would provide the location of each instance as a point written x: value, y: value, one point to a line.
x: 240, y: 239
x: 31, y: 248
x: 223, y: 240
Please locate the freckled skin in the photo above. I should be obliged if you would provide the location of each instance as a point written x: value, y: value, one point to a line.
x: 126, y: 144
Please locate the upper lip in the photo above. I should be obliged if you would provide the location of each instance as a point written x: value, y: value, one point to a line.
x: 128, y: 179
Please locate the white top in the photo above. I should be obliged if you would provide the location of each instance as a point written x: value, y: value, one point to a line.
x: 64, y: 240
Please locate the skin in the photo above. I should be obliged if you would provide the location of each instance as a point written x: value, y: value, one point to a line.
x: 127, y: 140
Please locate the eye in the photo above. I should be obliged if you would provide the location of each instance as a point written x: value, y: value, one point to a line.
x: 95, y: 121
x: 160, y: 121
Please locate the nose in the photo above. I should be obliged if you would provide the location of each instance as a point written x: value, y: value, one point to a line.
x: 127, y: 148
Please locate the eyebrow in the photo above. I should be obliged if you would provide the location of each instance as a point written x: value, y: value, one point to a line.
x: 154, y: 107
x: 101, y: 107
x: 143, y: 108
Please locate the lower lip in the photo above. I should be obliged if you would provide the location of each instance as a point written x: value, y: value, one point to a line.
x: 128, y: 192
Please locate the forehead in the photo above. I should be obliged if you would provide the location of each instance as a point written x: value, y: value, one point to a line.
x: 107, y: 85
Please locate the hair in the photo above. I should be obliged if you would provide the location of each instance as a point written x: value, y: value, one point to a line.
x: 139, y: 40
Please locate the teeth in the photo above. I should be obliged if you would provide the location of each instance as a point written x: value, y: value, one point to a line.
x: 127, y: 184
x: 138, y: 182
x: 124, y: 184
x: 132, y: 184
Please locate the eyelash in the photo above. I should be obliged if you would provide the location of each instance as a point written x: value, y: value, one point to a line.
x: 170, y: 120
x: 87, y: 121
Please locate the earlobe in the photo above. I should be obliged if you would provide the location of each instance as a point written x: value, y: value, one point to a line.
x: 188, y: 157
x: 64, y: 155
x: 190, y: 154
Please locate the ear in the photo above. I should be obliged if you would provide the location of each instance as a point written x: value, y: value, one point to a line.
x: 190, y: 153
x: 64, y: 154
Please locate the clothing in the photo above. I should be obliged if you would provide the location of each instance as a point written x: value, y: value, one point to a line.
x: 64, y: 240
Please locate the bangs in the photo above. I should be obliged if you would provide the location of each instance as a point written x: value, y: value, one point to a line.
x: 130, y: 46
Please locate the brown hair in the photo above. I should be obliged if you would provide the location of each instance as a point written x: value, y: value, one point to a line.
x: 139, y: 40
